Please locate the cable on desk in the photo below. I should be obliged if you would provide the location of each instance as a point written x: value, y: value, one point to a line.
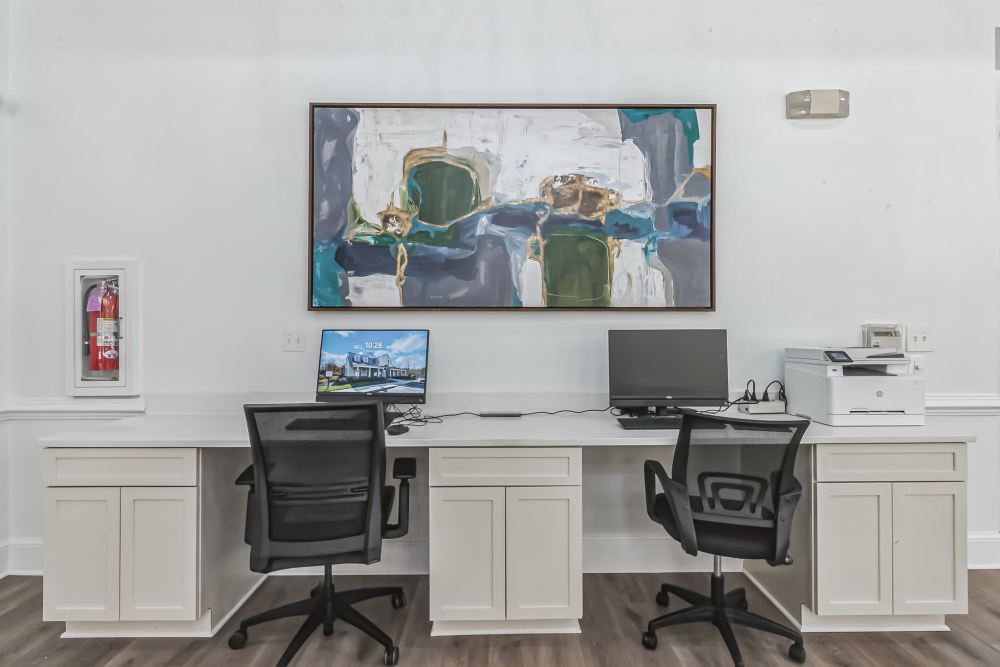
x: 414, y: 416
x: 567, y: 410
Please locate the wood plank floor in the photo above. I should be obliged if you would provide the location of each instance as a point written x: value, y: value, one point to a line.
x: 617, y: 607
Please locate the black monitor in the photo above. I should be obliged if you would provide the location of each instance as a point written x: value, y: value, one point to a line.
x: 387, y: 364
x: 664, y: 369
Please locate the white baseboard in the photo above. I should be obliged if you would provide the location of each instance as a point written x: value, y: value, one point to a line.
x: 25, y: 558
x: 984, y: 550
x: 4, y: 560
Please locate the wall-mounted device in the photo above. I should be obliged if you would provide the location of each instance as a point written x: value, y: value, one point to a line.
x: 817, y: 103
x: 883, y: 335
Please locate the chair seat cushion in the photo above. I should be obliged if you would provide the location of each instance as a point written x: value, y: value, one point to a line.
x: 723, y: 539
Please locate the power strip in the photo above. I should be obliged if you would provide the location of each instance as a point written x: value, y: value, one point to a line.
x: 763, y: 408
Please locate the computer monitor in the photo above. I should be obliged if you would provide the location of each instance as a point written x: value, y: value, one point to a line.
x: 390, y: 365
x: 666, y: 369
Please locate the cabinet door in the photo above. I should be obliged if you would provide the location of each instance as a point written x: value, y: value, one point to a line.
x: 929, y: 567
x: 544, y: 563
x: 854, y: 548
x: 159, y: 553
x: 81, y: 554
x: 467, y: 554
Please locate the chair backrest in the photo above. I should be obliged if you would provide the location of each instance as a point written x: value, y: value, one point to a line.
x: 740, y: 486
x: 319, y: 470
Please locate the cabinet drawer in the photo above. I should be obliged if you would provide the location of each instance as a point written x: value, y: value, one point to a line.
x: 120, y: 467
x: 923, y: 462
x: 505, y: 466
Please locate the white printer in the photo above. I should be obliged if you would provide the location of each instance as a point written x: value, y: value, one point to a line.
x: 853, y: 386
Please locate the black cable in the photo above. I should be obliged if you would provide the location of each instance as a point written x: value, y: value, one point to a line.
x: 414, y: 416
x: 781, y: 390
x: 725, y: 406
x: 556, y: 412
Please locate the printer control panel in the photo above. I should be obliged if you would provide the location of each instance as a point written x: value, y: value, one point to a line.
x: 838, y: 356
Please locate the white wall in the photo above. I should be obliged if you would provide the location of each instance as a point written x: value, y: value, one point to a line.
x: 5, y: 291
x: 176, y: 133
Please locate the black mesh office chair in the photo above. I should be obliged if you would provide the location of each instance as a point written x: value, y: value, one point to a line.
x: 318, y: 497
x: 726, y: 502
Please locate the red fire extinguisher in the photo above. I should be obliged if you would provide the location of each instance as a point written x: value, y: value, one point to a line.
x: 102, y: 316
x: 94, y: 295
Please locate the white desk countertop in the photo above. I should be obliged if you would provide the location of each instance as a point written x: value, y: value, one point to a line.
x: 586, y: 430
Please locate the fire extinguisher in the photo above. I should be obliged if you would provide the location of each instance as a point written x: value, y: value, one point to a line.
x: 105, y: 347
x: 94, y: 295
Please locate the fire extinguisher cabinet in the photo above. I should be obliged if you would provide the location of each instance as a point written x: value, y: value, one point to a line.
x: 102, y: 328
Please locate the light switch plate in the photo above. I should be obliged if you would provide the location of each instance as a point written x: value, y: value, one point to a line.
x: 918, y: 339
x: 291, y: 341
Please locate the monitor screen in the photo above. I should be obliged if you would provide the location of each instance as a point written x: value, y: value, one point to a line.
x: 387, y: 364
x: 674, y: 367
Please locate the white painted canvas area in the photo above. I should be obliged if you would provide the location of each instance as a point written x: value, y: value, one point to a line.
x: 532, y: 144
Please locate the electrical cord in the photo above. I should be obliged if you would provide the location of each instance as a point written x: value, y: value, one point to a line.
x: 750, y: 396
x: 414, y: 416
x: 781, y: 390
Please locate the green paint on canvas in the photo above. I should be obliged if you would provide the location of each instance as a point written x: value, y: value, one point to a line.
x: 442, y: 192
x: 577, y: 269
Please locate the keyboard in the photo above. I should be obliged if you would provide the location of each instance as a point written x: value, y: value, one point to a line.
x: 649, y: 422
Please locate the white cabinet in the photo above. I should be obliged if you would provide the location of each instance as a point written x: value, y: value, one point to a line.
x: 893, y: 547
x: 121, y: 554
x: 467, y: 546
x: 544, y: 563
x: 929, y: 548
x: 144, y: 541
x: 81, y: 554
x: 505, y: 540
x: 159, y: 555
x: 854, y: 540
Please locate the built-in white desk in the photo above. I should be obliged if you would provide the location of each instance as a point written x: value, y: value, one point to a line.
x: 144, y: 526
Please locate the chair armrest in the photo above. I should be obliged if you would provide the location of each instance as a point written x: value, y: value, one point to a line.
x: 404, y: 470
x: 677, y: 500
x: 784, y: 512
x: 246, y: 477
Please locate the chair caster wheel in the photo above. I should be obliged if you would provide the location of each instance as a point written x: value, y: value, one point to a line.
x: 663, y: 599
x: 797, y: 652
x: 238, y: 639
x: 391, y: 656
x: 649, y: 640
x: 398, y: 601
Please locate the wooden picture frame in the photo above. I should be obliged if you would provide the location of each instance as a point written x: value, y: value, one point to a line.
x: 457, y: 169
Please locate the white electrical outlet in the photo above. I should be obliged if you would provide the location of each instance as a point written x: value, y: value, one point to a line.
x: 291, y: 341
x: 918, y: 339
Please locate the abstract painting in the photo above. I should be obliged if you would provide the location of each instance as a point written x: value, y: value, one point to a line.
x: 526, y: 207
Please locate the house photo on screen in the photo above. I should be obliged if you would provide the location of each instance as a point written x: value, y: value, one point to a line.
x: 527, y: 208
x: 388, y: 363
